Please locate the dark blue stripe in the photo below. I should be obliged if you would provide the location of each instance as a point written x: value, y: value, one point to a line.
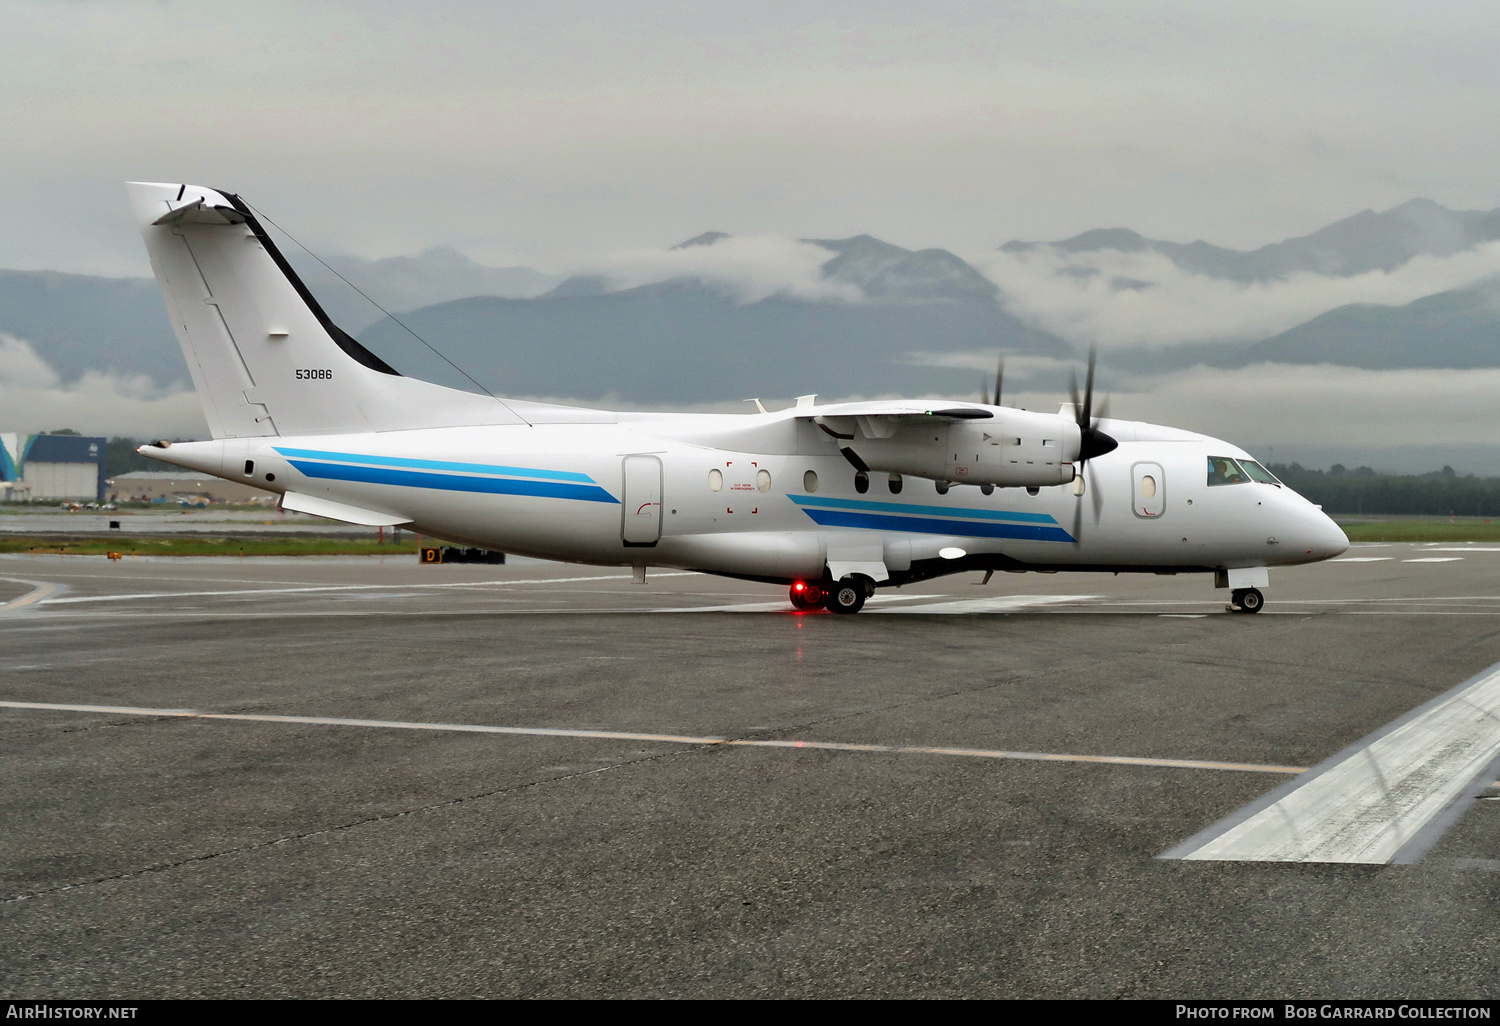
x: 454, y: 482
x: 922, y: 525
x: 402, y: 461
x: 909, y: 508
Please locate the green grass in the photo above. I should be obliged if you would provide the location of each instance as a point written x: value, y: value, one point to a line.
x: 179, y: 546
x: 1435, y: 529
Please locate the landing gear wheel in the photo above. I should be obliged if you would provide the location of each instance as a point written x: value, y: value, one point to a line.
x: 847, y: 596
x: 807, y: 596
x: 1247, y: 600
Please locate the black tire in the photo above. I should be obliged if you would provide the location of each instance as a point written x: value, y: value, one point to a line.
x: 847, y: 596
x: 1247, y: 600
x: 809, y: 596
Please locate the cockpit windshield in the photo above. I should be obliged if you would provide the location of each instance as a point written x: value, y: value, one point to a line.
x: 1222, y: 470
x: 1258, y: 472
x: 1225, y: 470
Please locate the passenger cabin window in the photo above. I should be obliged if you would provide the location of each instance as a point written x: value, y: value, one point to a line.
x: 894, y: 484
x: 861, y: 482
x: 715, y: 479
x: 1225, y: 471
x: 763, y: 480
x: 810, y: 481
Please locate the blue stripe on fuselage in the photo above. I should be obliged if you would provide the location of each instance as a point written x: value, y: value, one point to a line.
x: 402, y: 461
x: 926, y: 525
x: 911, y: 509
x: 454, y: 482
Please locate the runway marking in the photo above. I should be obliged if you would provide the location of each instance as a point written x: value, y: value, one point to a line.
x: 996, y: 604
x: 680, y: 739
x: 39, y: 592
x: 1465, y: 548
x: 1182, y: 616
x: 1434, y: 559
x: 776, y: 606
x: 346, y: 587
x: 1387, y: 798
x: 1362, y: 559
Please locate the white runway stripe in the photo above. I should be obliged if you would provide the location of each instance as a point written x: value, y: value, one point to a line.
x: 681, y: 739
x: 1387, y: 798
x: 995, y: 604
x: 132, y: 596
x: 39, y: 592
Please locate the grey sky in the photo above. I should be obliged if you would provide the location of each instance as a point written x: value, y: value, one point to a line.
x: 542, y: 133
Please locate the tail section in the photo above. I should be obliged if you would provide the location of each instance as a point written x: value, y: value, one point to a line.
x: 265, y: 358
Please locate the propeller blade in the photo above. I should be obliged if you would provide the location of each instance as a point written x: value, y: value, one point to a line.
x: 1097, y: 499
x: 984, y: 393
x: 999, y: 379
x: 1092, y: 442
x: 1084, y: 420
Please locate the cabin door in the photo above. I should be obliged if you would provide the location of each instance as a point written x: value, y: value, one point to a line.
x: 641, y: 517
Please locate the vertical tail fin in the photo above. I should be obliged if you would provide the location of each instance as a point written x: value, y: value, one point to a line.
x: 265, y: 358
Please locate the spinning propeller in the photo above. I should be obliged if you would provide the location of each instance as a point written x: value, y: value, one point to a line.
x: 984, y: 395
x: 1092, y: 441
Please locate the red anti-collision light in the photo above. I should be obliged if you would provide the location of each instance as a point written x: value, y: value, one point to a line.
x: 799, y: 586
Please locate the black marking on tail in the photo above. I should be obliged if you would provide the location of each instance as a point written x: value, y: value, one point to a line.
x: 341, y: 338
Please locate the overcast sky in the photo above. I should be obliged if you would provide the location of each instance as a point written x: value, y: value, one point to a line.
x: 542, y: 133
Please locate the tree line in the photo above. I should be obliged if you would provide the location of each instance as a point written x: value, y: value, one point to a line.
x: 1363, y: 490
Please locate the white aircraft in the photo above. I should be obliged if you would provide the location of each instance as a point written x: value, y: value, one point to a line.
x: 832, y: 501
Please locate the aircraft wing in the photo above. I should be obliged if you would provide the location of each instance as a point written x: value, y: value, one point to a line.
x: 899, y: 408
x: 880, y: 418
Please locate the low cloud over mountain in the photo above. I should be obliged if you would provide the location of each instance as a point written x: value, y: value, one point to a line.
x: 1300, y: 339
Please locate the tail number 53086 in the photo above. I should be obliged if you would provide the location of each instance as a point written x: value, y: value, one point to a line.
x: 314, y: 374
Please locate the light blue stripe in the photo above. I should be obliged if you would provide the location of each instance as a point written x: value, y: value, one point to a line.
x: 455, y: 482
x: 401, y: 461
x: 933, y: 511
x: 921, y: 525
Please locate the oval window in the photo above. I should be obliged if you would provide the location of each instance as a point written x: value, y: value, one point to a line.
x: 894, y: 484
x: 763, y: 480
x: 715, y: 479
x: 810, y: 481
x: 861, y: 482
x: 1148, y: 486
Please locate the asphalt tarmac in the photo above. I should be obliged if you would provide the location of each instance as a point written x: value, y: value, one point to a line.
x: 655, y: 830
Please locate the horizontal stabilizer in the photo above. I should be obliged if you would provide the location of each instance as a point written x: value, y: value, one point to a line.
x: 296, y: 502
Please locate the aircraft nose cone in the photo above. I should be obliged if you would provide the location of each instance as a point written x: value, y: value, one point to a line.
x: 1328, y: 538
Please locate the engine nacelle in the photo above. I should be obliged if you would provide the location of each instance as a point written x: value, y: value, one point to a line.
x: 1015, y: 448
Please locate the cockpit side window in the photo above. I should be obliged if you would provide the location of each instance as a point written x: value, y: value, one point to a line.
x: 1259, y: 473
x: 1222, y: 470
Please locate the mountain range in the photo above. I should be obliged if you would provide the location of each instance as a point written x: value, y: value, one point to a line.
x: 689, y: 339
x: 1365, y: 242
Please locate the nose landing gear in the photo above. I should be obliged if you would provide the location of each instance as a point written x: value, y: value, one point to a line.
x: 1246, y: 600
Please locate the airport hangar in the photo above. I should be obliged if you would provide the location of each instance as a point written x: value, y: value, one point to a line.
x: 51, y: 467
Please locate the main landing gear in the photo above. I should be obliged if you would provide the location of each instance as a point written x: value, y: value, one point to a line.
x: 1246, y: 600
x: 847, y: 596
x: 807, y: 596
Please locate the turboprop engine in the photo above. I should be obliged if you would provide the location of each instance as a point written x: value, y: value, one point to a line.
x: 1000, y: 446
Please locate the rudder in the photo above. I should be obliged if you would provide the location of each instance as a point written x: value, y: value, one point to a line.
x: 264, y: 356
